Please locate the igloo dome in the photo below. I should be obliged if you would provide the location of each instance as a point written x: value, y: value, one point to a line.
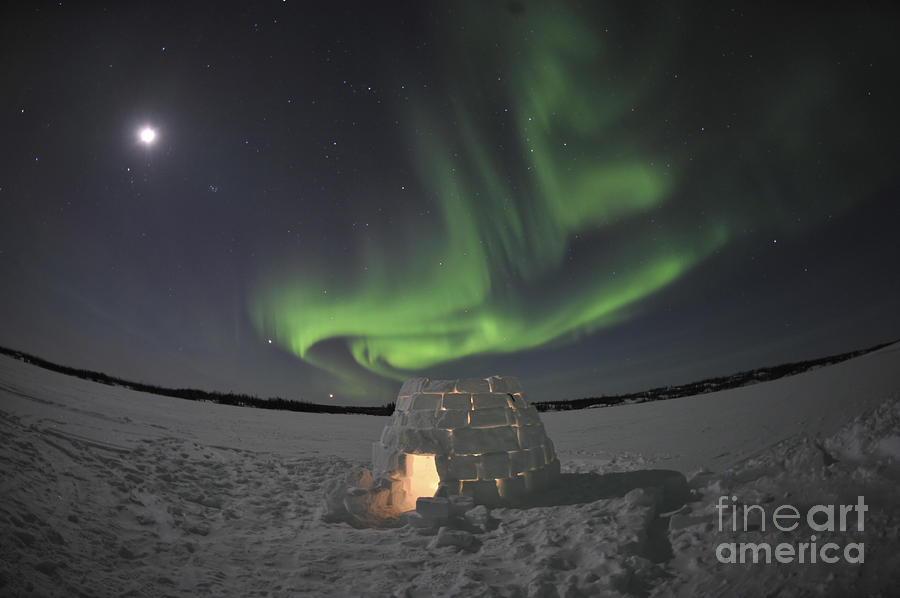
x: 476, y: 437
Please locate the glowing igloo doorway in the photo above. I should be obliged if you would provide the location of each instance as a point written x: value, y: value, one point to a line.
x: 420, y: 478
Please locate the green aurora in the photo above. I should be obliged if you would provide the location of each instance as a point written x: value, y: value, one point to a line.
x: 573, y: 181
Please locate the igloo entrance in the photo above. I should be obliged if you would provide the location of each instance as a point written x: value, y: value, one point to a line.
x: 420, y: 478
x: 475, y: 437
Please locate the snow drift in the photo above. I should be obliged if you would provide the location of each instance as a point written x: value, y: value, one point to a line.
x: 108, y: 491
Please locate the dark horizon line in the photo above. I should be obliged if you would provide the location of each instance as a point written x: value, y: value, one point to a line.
x: 193, y: 394
x: 707, y: 385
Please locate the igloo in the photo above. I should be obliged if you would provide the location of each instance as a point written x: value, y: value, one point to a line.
x: 475, y: 437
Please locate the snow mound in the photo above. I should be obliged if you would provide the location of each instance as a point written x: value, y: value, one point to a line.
x: 803, y: 472
x: 107, y: 491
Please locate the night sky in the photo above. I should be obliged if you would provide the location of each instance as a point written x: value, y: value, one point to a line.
x: 596, y: 198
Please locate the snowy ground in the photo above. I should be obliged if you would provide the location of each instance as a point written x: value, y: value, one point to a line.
x: 106, y: 491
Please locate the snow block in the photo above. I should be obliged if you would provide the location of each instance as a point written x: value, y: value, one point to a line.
x: 457, y: 402
x: 493, y: 466
x: 549, y: 451
x: 483, y: 440
x: 512, y: 488
x: 505, y: 384
x: 473, y: 385
x: 440, y: 386
x: 535, y: 479
x: 518, y: 462
x: 433, y: 508
x: 488, y: 418
x: 490, y: 400
x: 482, y: 492
x: 444, y: 441
x: 425, y: 401
x: 460, y: 504
x: 424, y: 440
x: 384, y: 459
x: 449, y: 488
x: 421, y: 418
x: 531, y: 436
x: 414, y: 519
x: 534, y: 457
x: 452, y: 419
x: 389, y: 435
x: 527, y: 416
x: 402, y: 404
x: 462, y: 467
x: 412, y: 386
x: 552, y: 470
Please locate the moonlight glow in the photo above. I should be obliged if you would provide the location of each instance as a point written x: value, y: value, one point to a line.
x: 147, y: 135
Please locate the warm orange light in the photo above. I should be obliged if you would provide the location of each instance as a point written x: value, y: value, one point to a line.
x: 423, y: 476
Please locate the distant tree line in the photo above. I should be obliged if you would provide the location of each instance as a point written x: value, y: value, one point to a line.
x: 655, y: 394
x: 193, y: 394
x: 704, y: 386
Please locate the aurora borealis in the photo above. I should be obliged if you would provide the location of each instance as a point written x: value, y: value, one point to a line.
x: 346, y: 197
x: 487, y: 280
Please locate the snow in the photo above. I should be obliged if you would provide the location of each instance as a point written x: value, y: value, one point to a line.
x: 720, y: 429
x: 107, y: 491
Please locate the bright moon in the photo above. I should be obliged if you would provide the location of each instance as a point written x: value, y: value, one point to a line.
x: 147, y: 135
